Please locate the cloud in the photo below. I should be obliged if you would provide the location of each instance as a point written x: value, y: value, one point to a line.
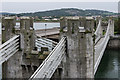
x: 23, y: 7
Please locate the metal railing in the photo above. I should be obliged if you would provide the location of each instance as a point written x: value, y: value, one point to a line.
x: 98, y: 28
x: 9, y: 48
x: 98, y: 32
x: 44, y: 42
x: 99, y: 49
x: 50, y: 64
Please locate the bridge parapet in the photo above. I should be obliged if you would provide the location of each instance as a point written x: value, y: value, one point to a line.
x: 77, y: 23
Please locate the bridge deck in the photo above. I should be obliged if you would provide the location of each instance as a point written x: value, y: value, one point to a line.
x: 47, y: 32
x: 99, y: 42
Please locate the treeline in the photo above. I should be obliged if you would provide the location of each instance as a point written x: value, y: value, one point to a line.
x: 117, y: 25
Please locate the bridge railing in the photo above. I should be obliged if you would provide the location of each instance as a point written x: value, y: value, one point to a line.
x: 9, y: 48
x: 44, y: 42
x: 50, y: 64
x: 101, y: 48
x: 98, y: 28
x: 106, y: 35
x: 97, y: 32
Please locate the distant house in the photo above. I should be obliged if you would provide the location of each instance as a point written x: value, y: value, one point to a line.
x: 36, y: 18
x: 115, y: 16
x: 54, y: 19
x: 97, y: 16
x: 47, y: 19
x: 17, y: 18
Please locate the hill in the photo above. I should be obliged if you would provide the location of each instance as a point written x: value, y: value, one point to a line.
x: 6, y: 13
x: 69, y: 12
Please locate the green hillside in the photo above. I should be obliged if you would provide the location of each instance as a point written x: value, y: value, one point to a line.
x: 68, y: 12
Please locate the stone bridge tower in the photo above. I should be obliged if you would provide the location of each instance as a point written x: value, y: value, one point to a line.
x: 8, y: 29
x: 27, y: 35
x: 23, y: 63
x: 78, y: 61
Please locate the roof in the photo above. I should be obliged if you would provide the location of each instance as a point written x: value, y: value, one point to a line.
x: 9, y: 18
x: 24, y: 17
x: 89, y: 18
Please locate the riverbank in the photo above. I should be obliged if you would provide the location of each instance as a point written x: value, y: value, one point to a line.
x: 44, y: 21
x: 114, y: 42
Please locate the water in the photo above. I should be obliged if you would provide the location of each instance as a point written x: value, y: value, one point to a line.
x: 41, y: 25
x: 110, y: 65
x: 48, y: 25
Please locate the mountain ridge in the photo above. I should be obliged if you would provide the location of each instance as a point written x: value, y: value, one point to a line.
x: 68, y: 12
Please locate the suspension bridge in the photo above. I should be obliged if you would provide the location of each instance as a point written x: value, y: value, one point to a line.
x: 67, y: 52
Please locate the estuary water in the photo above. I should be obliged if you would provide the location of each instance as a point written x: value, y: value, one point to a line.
x: 41, y: 25
x: 109, y: 66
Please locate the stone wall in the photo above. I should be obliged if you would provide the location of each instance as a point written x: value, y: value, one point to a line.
x: 114, y: 43
x: 12, y: 67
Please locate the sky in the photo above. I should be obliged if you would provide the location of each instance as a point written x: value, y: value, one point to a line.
x: 59, y: 0
x: 24, y: 6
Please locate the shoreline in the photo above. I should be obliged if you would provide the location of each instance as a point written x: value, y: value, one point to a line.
x: 46, y: 22
x: 41, y: 22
